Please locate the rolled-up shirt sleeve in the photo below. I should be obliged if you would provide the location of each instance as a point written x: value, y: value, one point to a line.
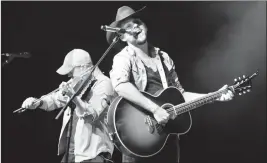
x: 120, y: 72
x: 53, y: 101
x: 102, y: 93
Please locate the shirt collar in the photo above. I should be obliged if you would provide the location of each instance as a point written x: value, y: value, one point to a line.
x: 133, y: 50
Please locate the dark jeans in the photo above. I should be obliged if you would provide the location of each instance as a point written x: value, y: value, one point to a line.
x: 169, y: 154
x: 98, y: 159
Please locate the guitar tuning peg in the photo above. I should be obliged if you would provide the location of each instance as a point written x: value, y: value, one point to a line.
x: 244, y: 76
x: 239, y: 78
x: 244, y: 92
x: 235, y: 80
x: 248, y: 90
x: 240, y: 93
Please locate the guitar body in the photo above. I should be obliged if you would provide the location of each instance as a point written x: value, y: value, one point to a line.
x: 136, y: 133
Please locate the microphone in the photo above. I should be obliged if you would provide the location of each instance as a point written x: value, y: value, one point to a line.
x: 120, y: 30
x: 18, y: 55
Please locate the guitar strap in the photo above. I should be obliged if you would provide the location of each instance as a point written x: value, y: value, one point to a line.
x: 163, y: 64
x: 165, y: 68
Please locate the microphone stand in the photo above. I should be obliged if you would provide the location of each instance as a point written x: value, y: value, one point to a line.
x: 69, y: 131
x: 8, y: 60
x: 11, y: 56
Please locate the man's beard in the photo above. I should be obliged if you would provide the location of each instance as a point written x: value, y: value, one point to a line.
x: 144, y: 40
x: 141, y: 42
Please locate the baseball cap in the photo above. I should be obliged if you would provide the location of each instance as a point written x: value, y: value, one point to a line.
x: 76, y: 57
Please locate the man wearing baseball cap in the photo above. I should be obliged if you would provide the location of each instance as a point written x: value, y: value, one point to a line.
x: 89, y: 141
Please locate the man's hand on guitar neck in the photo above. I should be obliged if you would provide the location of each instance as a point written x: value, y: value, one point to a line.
x: 227, y: 96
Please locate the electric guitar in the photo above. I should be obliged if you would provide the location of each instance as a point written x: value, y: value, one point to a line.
x: 135, y: 131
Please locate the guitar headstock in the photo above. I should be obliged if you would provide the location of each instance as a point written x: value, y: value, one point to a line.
x: 243, y: 85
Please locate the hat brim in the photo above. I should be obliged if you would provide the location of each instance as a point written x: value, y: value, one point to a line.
x: 110, y: 35
x: 64, y: 70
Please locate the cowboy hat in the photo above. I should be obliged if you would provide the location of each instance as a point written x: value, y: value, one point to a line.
x: 123, y: 13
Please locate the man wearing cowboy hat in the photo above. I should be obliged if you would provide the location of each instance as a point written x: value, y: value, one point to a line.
x: 141, y: 67
x: 89, y: 141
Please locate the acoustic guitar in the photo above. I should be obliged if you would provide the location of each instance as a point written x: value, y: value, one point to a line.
x: 135, y: 131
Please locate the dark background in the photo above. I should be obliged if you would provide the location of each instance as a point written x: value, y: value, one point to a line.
x: 211, y: 43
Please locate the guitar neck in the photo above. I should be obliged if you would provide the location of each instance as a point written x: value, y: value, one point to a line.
x: 187, y: 106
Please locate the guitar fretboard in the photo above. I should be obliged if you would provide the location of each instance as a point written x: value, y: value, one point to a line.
x: 187, y: 106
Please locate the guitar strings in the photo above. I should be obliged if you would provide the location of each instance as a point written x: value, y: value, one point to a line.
x: 183, y: 107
